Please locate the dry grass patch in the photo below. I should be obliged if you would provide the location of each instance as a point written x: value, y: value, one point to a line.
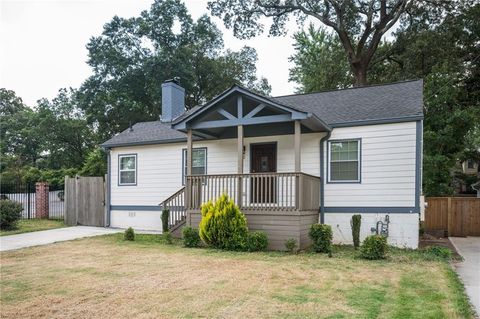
x: 105, y: 277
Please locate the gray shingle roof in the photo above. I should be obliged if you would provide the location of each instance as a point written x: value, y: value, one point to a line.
x: 377, y: 102
x: 146, y: 133
x: 388, y: 102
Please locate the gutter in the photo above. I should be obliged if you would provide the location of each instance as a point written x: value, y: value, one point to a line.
x: 322, y: 177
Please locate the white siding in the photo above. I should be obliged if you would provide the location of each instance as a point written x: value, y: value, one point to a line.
x: 387, y: 167
x: 403, y: 228
x: 160, y: 166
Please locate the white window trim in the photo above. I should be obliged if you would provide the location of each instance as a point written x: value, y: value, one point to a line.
x: 359, y: 161
x: 184, y: 161
x: 127, y: 169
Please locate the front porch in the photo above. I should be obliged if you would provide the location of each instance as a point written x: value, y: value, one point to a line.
x: 281, y: 203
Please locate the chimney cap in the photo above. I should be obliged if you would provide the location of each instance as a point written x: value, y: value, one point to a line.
x: 175, y: 80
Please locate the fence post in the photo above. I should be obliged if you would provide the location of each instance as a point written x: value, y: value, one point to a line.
x: 449, y: 217
x: 41, y: 200
x: 29, y: 208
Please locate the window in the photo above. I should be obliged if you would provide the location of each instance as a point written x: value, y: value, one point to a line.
x: 344, y: 163
x: 470, y: 164
x: 199, y: 162
x: 127, y: 169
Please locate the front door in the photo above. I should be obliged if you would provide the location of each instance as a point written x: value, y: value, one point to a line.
x: 263, y: 159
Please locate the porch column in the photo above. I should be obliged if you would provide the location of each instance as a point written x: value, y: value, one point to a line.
x: 239, y: 163
x: 188, y: 184
x: 298, y: 133
x: 189, y: 152
x: 240, y: 149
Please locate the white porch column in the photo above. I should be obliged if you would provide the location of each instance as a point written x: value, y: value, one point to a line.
x: 240, y: 149
x: 188, y: 183
x: 189, y: 152
x: 298, y: 146
x: 239, y: 164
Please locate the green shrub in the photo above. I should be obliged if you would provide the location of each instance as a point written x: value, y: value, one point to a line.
x: 129, y: 234
x: 291, y: 245
x: 421, y: 229
x: 374, y: 247
x: 321, y: 236
x: 165, y: 215
x: 257, y: 241
x: 168, y: 237
x: 356, y: 223
x: 223, y: 225
x: 191, y: 238
x: 440, y: 252
x: 10, y: 213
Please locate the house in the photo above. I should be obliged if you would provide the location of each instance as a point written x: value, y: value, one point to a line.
x: 287, y: 161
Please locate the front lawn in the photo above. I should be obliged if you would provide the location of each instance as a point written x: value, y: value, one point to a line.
x: 29, y: 225
x: 106, y: 277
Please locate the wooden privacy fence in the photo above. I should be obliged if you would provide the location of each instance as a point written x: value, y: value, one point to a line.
x: 455, y: 216
x: 85, y: 201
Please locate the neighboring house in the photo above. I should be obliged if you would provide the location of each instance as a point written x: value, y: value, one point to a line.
x: 467, y: 173
x: 470, y: 167
x: 287, y: 161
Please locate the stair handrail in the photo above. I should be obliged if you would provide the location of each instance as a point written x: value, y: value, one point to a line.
x: 175, y: 215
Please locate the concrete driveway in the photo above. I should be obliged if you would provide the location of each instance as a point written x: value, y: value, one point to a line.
x: 469, y: 269
x: 50, y: 236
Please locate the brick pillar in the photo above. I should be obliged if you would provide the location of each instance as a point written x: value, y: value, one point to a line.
x: 41, y: 200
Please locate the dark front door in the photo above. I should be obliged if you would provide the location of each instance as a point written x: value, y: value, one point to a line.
x: 263, y: 160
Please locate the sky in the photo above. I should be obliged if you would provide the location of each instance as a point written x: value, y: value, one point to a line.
x: 42, y: 43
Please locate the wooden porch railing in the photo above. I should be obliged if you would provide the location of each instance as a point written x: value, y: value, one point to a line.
x: 265, y: 191
x: 176, y: 205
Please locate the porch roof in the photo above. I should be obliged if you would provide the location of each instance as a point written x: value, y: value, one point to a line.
x: 239, y: 106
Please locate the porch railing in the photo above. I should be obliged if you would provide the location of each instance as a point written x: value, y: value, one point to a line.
x: 176, y: 205
x: 265, y: 191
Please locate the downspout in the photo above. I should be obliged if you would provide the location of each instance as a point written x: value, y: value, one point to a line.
x: 109, y: 188
x: 322, y: 177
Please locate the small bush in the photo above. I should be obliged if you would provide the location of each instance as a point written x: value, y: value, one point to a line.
x: 191, y: 238
x: 356, y: 223
x: 129, y: 234
x: 223, y: 225
x: 421, y: 229
x: 165, y: 215
x: 257, y: 241
x: 321, y: 236
x: 168, y: 237
x: 291, y: 245
x: 374, y: 247
x: 10, y: 213
x: 440, y: 252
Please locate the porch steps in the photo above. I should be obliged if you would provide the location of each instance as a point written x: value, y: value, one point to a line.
x: 178, y: 212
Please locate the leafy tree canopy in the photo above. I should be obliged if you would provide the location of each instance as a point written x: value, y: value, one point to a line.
x: 134, y: 56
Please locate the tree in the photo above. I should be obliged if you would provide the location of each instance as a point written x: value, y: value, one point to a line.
x: 66, y: 134
x: 20, y: 143
x: 134, y: 56
x: 319, y: 61
x: 360, y: 25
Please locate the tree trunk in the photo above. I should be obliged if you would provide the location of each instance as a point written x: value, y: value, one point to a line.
x: 360, y: 74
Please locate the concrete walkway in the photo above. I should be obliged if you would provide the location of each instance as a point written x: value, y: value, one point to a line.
x: 469, y: 269
x: 50, y: 236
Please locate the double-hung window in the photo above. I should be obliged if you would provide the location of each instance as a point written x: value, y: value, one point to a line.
x: 127, y: 170
x: 199, y: 162
x: 344, y: 161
